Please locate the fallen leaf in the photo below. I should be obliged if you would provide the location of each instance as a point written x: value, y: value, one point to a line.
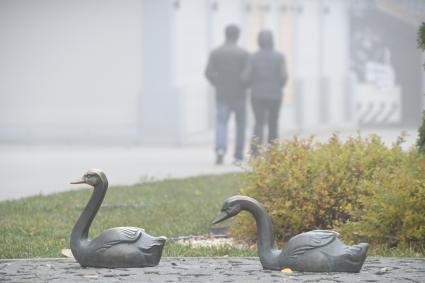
x: 287, y: 270
x: 67, y: 253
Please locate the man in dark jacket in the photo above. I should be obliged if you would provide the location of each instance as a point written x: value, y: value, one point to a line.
x: 225, y: 69
x: 268, y: 76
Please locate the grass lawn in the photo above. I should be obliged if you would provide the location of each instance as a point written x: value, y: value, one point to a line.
x: 40, y: 226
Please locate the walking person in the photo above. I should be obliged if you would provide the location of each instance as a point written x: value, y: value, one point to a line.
x: 225, y: 70
x: 268, y: 76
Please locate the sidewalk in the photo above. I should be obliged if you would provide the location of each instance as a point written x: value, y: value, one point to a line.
x: 34, y: 169
x: 205, y: 269
x: 27, y: 170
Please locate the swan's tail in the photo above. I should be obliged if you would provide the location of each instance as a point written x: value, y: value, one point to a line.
x: 148, y: 242
x: 355, y: 256
x: 152, y: 249
x: 359, y: 250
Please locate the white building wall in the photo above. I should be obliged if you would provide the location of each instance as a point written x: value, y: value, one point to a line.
x: 285, y: 12
x: 190, y: 31
x: 271, y: 21
x: 307, y: 76
x: 69, y: 69
x: 133, y: 70
x: 222, y: 13
x: 335, y: 60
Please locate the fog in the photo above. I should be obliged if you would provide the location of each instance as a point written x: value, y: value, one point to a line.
x: 132, y: 71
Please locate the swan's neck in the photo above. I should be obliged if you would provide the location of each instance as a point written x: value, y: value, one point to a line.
x: 81, y: 228
x: 265, y: 240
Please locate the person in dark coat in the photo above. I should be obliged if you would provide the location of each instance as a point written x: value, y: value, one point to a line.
x: 225, y: 70
x: 268, y: 76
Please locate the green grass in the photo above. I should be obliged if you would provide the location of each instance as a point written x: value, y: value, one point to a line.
x: 396, y: 252
x: 40, y: 226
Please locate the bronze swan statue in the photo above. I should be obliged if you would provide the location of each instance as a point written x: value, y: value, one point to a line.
x: 314, y: 251
x: 115, y: 247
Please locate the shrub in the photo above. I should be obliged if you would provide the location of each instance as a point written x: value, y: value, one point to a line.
x: 421, y: 137
x: 420, y: 143
x: 360, y: 187
x: 420, y: 39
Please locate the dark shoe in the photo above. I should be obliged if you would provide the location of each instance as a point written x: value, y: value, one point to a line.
x: 255, y: 151
x: 238, y: 161
x: 220, y: 158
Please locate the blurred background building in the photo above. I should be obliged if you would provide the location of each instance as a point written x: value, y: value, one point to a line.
x: 132, y: 71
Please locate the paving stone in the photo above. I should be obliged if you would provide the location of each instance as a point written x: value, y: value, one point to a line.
x: 205, y: 269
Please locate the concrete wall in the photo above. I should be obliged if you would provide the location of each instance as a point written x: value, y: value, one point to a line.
x: 335, y: 63
x: 70, y: 70
x: 322, y: 62
x: 132, y: 70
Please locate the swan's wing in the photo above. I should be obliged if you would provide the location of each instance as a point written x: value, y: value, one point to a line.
x: 304, y: 242
x: 116, y: 236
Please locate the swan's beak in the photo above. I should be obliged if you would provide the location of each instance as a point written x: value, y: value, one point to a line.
x: 81, y: 181
x: 221, y: 217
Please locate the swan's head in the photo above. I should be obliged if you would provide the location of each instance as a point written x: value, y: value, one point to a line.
x: 231, y: 207
x: 92, y: 178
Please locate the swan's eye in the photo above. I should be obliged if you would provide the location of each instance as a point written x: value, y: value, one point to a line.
x: 232, y: 210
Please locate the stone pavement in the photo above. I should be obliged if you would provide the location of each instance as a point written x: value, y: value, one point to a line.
x: 205, y: 269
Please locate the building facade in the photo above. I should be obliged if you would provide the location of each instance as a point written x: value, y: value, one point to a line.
x: 132, y: 71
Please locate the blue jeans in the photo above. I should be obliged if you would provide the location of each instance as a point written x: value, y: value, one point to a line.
x: 224, y: 110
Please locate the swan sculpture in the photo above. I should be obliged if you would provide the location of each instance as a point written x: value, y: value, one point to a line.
x: 115, y: 247
x: 314, y: 251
